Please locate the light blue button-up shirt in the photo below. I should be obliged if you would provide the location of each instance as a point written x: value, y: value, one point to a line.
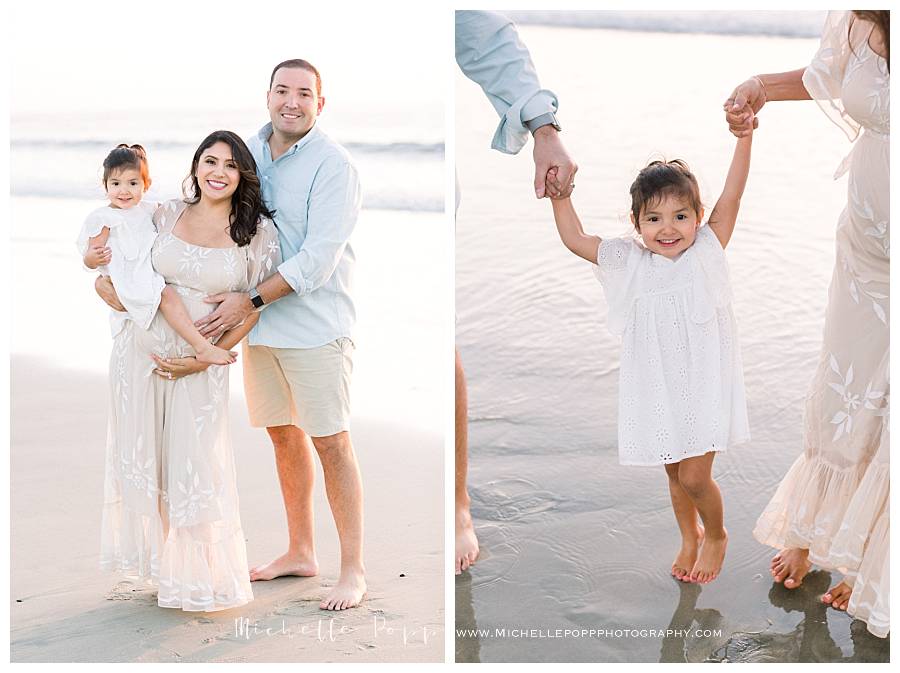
x: 490, y: 53
x: 314, y: 190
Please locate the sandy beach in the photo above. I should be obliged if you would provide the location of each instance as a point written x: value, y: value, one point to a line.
x: 63, y: 609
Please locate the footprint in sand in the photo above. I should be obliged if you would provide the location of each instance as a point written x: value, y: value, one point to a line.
x: 128, y: 591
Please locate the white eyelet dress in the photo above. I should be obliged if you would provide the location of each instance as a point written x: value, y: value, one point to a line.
x: 681, y: 382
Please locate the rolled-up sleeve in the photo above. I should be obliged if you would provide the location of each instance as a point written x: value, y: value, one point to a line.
x: 490, y: 53
x: 334, y: 204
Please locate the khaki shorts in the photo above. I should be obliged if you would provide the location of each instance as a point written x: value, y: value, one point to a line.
x: 306, y: 387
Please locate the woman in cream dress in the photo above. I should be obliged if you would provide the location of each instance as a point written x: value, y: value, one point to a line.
x: 170, y: 510
x: 832, y: 507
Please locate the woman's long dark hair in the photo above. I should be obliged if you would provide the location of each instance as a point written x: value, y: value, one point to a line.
x: 882, y: 19
x: 246, y: 203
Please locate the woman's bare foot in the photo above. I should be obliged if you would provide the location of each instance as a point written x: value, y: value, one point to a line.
x: 838, y: 596
x: 347, y: 593
x: 790, y: 566
x: 466, y: 542
x: 213, y: 355
x: 285, y: 565
x: 709, y: 563
x: 687, y: 557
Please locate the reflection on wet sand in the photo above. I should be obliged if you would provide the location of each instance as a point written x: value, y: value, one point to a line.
x: 811, y: 640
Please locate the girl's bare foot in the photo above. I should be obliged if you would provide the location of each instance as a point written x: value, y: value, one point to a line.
x: 213, y: 355
x: 347, y: 593
x: 790, y: 566
x: 709, y: 563
x: 466, y: 542
x: 838, y: 596
x: 285, y: 565
x: 687, y: 557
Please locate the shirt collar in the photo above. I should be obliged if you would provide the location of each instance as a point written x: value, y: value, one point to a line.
x: 266, y: 131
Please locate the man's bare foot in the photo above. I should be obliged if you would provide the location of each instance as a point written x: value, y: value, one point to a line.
x: 790, y: 566
x: 285, y: 565
x: 687, y: 557
x: 709, y: 563
x: 838, y: 596
x: 347, y: 593
x: 466, y: 542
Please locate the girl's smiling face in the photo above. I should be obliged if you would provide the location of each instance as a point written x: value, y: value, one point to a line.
x: 124, y: 188
x: 668, y: 226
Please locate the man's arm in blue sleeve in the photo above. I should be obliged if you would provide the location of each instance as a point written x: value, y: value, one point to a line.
x: 490, y: 53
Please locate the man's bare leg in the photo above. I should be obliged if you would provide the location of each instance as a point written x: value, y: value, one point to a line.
x: 296, y: 472
x: 466, y: 542
x: 343, y: 486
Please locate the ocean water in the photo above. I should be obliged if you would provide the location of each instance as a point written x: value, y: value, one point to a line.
x: 570, y: 539
x: 402, y: 328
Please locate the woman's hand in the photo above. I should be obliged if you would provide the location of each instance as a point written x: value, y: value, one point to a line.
x: 743, y: 105
x: 173, y: 369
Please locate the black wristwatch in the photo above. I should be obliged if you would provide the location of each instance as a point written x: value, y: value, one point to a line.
x: 546, y: 119
x: 256, y: 300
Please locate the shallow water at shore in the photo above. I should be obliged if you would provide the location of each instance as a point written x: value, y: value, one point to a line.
x: 570, y: 539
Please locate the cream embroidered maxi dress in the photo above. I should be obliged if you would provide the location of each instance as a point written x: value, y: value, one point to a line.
x: 170, y: 510
x: 834, y: 499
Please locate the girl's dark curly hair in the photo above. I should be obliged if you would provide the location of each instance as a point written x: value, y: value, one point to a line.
x: 246, y: 203
x: 659, y: 179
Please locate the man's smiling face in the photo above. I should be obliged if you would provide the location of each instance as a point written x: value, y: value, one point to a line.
x: 293, y: 102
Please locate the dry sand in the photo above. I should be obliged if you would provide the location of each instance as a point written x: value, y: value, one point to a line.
x: 63, y: 609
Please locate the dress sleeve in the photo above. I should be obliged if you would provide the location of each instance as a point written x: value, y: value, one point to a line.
x: 824, y: 76
x: 93, y: 225
x: 711, y: 285
x: 616, y: 269
x: 264, y: 253
x: 165, y: 216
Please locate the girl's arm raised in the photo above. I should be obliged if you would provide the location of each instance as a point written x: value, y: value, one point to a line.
x: 569, y: 227
x: 725, y: 213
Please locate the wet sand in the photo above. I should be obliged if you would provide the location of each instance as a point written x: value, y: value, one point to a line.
x: 571, y: 539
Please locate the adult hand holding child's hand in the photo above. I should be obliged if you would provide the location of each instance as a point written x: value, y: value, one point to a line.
x: 742, y: 106
x: 549, y: 154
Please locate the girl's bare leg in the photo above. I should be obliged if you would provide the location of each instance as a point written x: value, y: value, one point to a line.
x: 688, y: 524
x: 695, y: 477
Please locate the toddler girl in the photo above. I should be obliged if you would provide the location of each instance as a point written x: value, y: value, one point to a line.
x: 118, y: 239
x: 681, y: 388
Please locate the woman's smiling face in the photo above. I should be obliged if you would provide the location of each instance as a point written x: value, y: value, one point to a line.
x: 217, y: 173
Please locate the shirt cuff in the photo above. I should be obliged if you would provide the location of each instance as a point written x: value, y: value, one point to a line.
x: 511, y: 134
x: 290, y: 271
x: 541, y: 103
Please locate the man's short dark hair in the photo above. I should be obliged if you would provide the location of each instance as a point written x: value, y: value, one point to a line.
x: 299, y: 63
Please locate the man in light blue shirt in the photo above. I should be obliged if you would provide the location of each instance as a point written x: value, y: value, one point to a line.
x: 489, y: 52
x: 298, y: 361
